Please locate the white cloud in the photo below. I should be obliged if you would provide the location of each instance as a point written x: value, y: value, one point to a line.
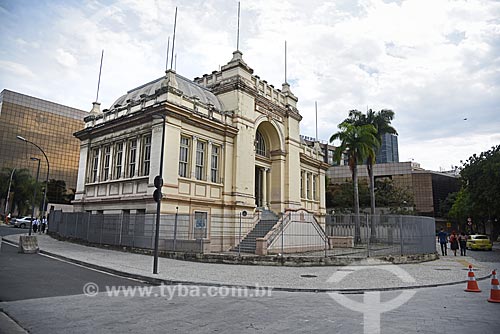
x: 17, y: 70
x: 432, y: 62
x: 65, y: 58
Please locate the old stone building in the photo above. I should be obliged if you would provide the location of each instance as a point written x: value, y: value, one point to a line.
x: 232, y: 143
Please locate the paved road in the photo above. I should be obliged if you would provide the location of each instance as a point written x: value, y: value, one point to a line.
x: 435, y: 310
x: 486, y: 256
x: 27, y: 276
x: 56, y: 304
x: 9, y: 230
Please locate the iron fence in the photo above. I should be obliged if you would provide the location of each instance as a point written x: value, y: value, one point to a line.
x: 295, y: 233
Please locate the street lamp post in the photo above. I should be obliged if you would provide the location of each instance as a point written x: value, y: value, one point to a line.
x: 158, y: 185
x: 46, y: 179
x: 34, y: 193
x: 8, y: 193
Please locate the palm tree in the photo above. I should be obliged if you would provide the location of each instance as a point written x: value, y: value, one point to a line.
x: 381, y: 120
x: 357, y: 142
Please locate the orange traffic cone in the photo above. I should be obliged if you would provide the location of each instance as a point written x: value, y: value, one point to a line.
x: 495, y: 288
x: 472, y: 283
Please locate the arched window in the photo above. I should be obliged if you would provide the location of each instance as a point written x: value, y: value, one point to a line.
x: 260, y: 144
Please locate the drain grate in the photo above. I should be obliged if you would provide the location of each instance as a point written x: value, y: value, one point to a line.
x: 308, y: 276
x: 442, y: 269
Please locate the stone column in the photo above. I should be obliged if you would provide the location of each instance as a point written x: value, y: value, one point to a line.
x: 263, y: 182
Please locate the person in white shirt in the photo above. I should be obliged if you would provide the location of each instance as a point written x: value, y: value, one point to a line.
x: 44, y: 224
x: 35, y: 225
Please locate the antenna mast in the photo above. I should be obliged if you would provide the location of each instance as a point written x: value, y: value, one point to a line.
x: 173, y: 39
x: 285, y: 61
x: 99, y: 81
x: 316, y: 104
x: 168, y: 50
x: 238, y: 33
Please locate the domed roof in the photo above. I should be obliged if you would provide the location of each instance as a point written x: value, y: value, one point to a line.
x: 188, y: 88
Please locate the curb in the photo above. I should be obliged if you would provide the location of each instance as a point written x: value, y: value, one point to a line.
x: 159, y: 281
x: 258, y: 260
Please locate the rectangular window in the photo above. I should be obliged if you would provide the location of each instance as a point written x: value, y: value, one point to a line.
x: 200, y: 160
x: 200, y: 224
x: 214, y: 175
x: 315, y: 187
x: 146, y: 158
x: 302, y: 184
x: 184, y: 157
x: 131, y: 157
x: 105, y: 167
x: 308, y: 186
x: 330, y: 157
x: 118, y: 160
x: 95, y: 164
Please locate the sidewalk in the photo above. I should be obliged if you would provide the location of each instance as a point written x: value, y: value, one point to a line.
x: 447, y: 270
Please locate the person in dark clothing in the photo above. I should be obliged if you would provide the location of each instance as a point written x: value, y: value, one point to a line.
x: 454, y: 242
x: 443, y: 239
x: 462, y: 240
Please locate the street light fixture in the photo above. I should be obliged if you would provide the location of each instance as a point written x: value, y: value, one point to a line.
x: 46, y: 179
x: 34, y: 193
x: 158, y: 196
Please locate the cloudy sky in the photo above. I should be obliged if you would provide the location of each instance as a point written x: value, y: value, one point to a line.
x: 435, y: 63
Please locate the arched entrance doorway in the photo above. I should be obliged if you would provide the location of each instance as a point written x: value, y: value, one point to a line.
x: 267, y: 141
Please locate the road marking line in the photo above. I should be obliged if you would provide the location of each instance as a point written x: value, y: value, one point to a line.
x: 7, y: 242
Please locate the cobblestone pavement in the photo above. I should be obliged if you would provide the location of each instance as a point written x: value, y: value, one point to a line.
x: 446, y: 270
x: 440, y: 310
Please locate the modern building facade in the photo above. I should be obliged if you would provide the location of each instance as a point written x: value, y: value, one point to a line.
x: 428, y: 188
x: 231, y: 143
x: 388, y: 151
x: 50, y: 126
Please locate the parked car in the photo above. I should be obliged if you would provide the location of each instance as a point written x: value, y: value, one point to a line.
x: 479, y: 241
x: 22, y: 222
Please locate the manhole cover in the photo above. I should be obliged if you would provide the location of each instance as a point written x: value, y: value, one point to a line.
x: 308, y: 276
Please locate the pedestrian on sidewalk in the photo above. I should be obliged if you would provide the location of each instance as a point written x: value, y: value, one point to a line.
x: 35, y: 225
x: 443, y: 239
x: 44, y: 224
x: 454, y: 242
x: 462, y: 240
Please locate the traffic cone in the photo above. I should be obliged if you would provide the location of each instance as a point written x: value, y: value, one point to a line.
x: 495, y: 288
x: 472, y: 283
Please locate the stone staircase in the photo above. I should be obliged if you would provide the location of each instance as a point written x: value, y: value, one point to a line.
x: 267, y: 220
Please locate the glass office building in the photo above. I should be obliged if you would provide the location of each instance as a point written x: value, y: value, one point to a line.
x: 388, y: 151
x: 50, y: 126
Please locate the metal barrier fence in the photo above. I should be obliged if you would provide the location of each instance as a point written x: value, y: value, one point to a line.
x: 382, y: 234
x: 292, y: 233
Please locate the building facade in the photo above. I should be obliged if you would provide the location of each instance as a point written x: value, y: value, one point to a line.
x: 388, y: 151
x: 50, y: 126
x: 231, y: 143
x: 428, y: 188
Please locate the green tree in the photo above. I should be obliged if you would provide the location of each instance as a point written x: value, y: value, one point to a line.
x: 57, y: 192
x: 22, y: 188
x: 342, y: 194
x: 356, y: 143
x: 479, y: 197
x: 381, y: 121
x: 396, y: 199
